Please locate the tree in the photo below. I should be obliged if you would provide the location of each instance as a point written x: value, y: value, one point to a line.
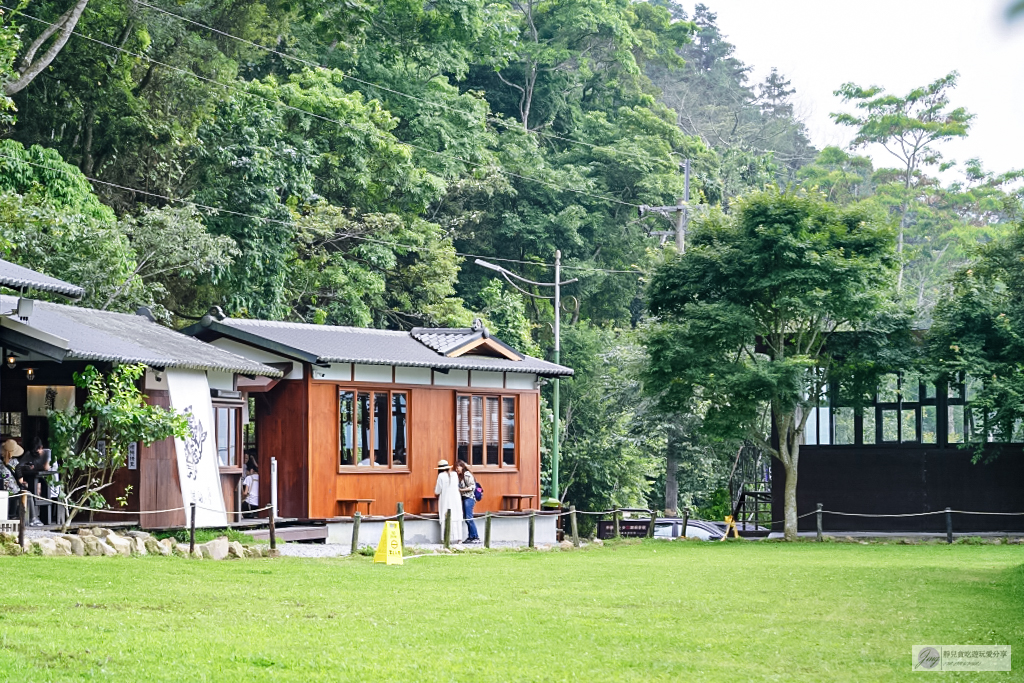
x: 744, y: 320
x: 171, y: 243
x: 979, y: 332
x: 114, y: 413
x: 908, y: 128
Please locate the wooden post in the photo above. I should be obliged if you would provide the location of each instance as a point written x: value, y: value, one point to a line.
x: 273, y: 532
x: 533, y: 528
x: 487, y: 530
x: 356, y: 519
x: 401, y: 522
x: 650, y: 529
x: 572, y: 523
x: 447, y: 528
x: 192, y: 530
x: 686, y: 519
x: 819, y: 523
x: 949, y: 525
x: 615, y: 518
x: 24, y: 519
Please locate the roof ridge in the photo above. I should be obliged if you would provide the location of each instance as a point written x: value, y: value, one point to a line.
x: 253, y: 322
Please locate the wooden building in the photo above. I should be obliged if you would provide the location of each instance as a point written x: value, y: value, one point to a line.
x: 902, y: 453
x: 362, y: 416
x: 44, y: 344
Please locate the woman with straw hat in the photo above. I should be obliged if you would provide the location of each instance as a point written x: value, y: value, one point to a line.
x: 449, y: 500
x: 11, y: 452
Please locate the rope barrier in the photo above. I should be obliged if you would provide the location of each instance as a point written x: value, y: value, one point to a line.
x: 516, y: 513
x: 110, y: 511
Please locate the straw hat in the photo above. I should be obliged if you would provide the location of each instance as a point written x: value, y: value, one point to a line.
x: 12, y: 448
x: 443, y: 465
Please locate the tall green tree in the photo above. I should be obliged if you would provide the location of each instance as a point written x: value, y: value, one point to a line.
x: 908, y: 127
x: 744, y: 320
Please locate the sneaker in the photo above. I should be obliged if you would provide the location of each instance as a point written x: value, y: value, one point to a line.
x: 35, y: 522
x: 472, y: 540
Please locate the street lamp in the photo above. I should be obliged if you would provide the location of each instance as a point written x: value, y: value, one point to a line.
x: 557, y: 284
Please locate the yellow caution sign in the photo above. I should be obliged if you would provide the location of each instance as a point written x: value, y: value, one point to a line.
x: 389, y: 550
x: 730, y: 525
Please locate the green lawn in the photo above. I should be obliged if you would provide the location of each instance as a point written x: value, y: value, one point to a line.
x: 657, y: 611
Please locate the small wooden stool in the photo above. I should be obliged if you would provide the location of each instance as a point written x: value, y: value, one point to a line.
x: 350, y: 505
x: 514, y: 501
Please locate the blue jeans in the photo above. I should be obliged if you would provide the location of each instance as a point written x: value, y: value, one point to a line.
x: 467, y: 512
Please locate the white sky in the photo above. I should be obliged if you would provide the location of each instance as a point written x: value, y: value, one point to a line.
x: 897, y: 44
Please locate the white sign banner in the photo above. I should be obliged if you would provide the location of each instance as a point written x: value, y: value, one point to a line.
x: 197, y: 454
x: 42, y: 399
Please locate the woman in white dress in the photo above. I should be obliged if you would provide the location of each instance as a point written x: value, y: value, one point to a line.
x: 449, y: 499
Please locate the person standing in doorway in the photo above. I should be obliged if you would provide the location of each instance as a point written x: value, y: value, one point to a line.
x: 449, y: 500
x: 251, y: 489
x: 467, y: 488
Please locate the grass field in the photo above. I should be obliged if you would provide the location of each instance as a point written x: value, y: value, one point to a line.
x: 642, y: 612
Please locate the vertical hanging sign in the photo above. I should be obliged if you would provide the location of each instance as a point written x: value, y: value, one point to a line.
x: 196, y: 454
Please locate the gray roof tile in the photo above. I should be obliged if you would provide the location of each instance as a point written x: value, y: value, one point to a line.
x: 94, y: 335
x: 19, y: 277
x: 333, y: 344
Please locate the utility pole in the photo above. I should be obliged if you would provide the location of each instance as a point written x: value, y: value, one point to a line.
x: 681, y: 211
x: 682, y: 221
x: 557, y: 284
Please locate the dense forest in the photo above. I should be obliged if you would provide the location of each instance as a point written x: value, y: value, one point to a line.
x: 344, y: 162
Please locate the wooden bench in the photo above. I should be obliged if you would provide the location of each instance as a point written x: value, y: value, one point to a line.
x: 350, y: 505
x: 430, y: 504
x: 514, y: 501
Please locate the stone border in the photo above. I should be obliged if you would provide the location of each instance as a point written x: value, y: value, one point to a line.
x: 100, y: 542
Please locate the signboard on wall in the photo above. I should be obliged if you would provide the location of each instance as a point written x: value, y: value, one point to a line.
x: 133, y: 456
x: 197, y: 454
x: 42, y: 399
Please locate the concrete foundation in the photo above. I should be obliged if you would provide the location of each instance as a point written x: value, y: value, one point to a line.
x: 512, y: 529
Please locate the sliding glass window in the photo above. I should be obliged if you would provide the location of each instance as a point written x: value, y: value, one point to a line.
x: 373, y: 429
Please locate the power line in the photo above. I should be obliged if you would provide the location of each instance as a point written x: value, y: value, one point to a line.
x: 334, y: 121
x: 299, y: 60
x: 240, y: 214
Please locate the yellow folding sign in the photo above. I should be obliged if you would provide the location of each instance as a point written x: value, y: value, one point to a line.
x: 389, y: 550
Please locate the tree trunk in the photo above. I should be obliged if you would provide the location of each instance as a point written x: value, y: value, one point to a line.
x: 30, y: 65
x: 87, y: 159
x: 790, y: 525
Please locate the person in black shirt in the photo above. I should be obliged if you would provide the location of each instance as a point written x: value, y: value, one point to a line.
x: 35, y: 461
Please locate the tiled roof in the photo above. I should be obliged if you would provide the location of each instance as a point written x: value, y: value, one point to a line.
x: 94, y: 335
x: 332, y: 344
x: 18, y: 277
x: 443, y: 340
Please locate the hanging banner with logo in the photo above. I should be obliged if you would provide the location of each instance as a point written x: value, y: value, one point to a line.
x: 197, y: 454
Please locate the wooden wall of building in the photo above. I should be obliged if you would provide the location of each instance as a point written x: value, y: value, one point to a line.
x: 298, y: 407
x: 159, y: 487
x: 904, y: 479
x: 282, y: 433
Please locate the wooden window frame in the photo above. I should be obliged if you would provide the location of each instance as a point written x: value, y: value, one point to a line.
x: 239, y: 446
x: 373, y: 467
x: 945, y: 394
x: 483, y: 396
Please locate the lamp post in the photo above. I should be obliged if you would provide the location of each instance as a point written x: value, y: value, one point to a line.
x: 557, y: 284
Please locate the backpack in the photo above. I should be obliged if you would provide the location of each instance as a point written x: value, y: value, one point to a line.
x: 478, y: 493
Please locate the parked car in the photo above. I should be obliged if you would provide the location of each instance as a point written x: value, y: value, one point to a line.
x: 672, y: 527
